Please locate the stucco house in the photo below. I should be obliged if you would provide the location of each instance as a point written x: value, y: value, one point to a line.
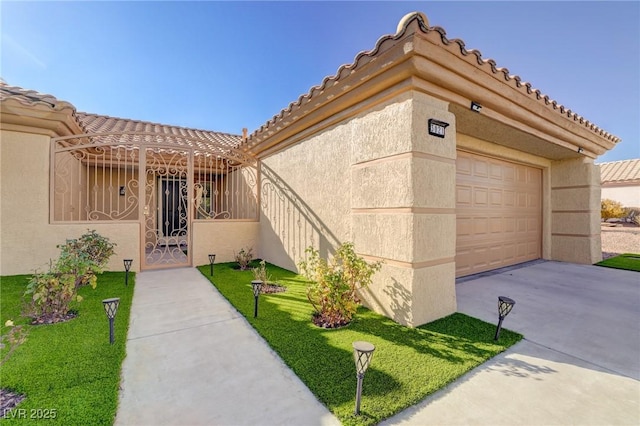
x: 421, y: 152
x: 620, y: 181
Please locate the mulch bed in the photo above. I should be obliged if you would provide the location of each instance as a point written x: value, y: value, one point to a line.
x: 272, y: 288
x: 319, y: 320
x: 54, y: 319
x: 8, y: 401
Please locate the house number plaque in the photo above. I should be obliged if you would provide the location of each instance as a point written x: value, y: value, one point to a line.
x: 436, y: 127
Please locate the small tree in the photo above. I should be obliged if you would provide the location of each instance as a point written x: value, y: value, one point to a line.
x: 611, y: 209
x: 49, y: 294
x: 334, y: 284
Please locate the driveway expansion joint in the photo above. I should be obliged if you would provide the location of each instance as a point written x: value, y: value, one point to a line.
x: 606, y: 369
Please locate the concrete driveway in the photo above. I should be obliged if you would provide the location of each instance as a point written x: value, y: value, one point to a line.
x: 578, y: 364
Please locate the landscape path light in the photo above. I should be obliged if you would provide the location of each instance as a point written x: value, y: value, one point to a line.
x: 362, y: 354
x: 111, y: 308
x: 257, y: 286
x: 127, y: 266
x: 212, y: 258
x: 504, y: 307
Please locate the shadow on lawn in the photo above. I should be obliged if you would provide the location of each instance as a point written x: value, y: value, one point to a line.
x: 409, y: 363
x: 323, y: 359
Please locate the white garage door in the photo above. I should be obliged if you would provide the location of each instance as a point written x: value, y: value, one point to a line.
x: 499, y: 213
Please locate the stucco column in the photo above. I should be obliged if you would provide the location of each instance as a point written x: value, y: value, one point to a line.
x: 575, y: 211
x: 403, y: 207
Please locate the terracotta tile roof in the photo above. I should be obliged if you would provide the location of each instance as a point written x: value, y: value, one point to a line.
x: 489, y: 65
x: 620, y: 171
x: 94, y: 123
x: 30, y: 97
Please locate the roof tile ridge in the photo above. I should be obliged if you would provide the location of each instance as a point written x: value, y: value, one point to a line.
x: 518, y: 84
x: 167, y: 127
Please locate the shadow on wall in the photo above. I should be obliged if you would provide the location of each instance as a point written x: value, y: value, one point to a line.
x: 288, y: 225
x: 398, y: 305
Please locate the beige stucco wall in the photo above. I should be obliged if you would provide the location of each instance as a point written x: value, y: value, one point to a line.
x: 223, y: 238
x: 305, y: 195
x: 377, y: 179
x: 27, y: 239
x: 404, y: 209
x: 575, y: 211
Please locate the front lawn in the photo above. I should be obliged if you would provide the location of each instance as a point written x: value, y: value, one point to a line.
x: 628, y: 261
x: 68, y: 371
x: 408, y: 363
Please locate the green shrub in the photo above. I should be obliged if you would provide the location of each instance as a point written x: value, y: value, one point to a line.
x: 334, y: 284
x: 261, y: 273
x: 50, y: 293
x: 610, y: 209
x: 244, y: 257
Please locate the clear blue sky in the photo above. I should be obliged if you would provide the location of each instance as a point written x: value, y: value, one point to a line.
x: 227, y: 65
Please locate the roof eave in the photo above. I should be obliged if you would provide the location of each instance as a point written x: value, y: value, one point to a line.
x: 424, y: 55
x: 55, y: 120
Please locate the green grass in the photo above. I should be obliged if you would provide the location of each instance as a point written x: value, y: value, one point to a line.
x: 68, y: 368
x: 628, y: 261
x: 408, y: 363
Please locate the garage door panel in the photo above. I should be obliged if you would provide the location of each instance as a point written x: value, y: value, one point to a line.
x: 495, y: 197
x: 499, y: 214
x: 480, y: 196
x: 463, y: 195
x: 480, y: 168
x: 495, y: 172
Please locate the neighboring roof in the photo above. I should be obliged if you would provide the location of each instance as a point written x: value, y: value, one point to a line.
x: 488, y: 65
x: 624, y: 171
x: 94, y: 123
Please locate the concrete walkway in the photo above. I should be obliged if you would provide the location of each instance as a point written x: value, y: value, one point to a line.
x: 193, y: 360
x: 579, y: 363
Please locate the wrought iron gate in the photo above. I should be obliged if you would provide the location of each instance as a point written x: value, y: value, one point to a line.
x: 167, y: 212
x: 162, y: 181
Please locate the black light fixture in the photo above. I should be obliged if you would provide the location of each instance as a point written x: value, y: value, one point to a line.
x: 580, y: 150
x: 436, y: 127
x: 257, y: 286
x: 212, y: 258
x: 362, y: 354
x: 475, y: 107
x: 122, y: 191
x: 127, y: 266
x: 111, y: 308
x: 504, y: 307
